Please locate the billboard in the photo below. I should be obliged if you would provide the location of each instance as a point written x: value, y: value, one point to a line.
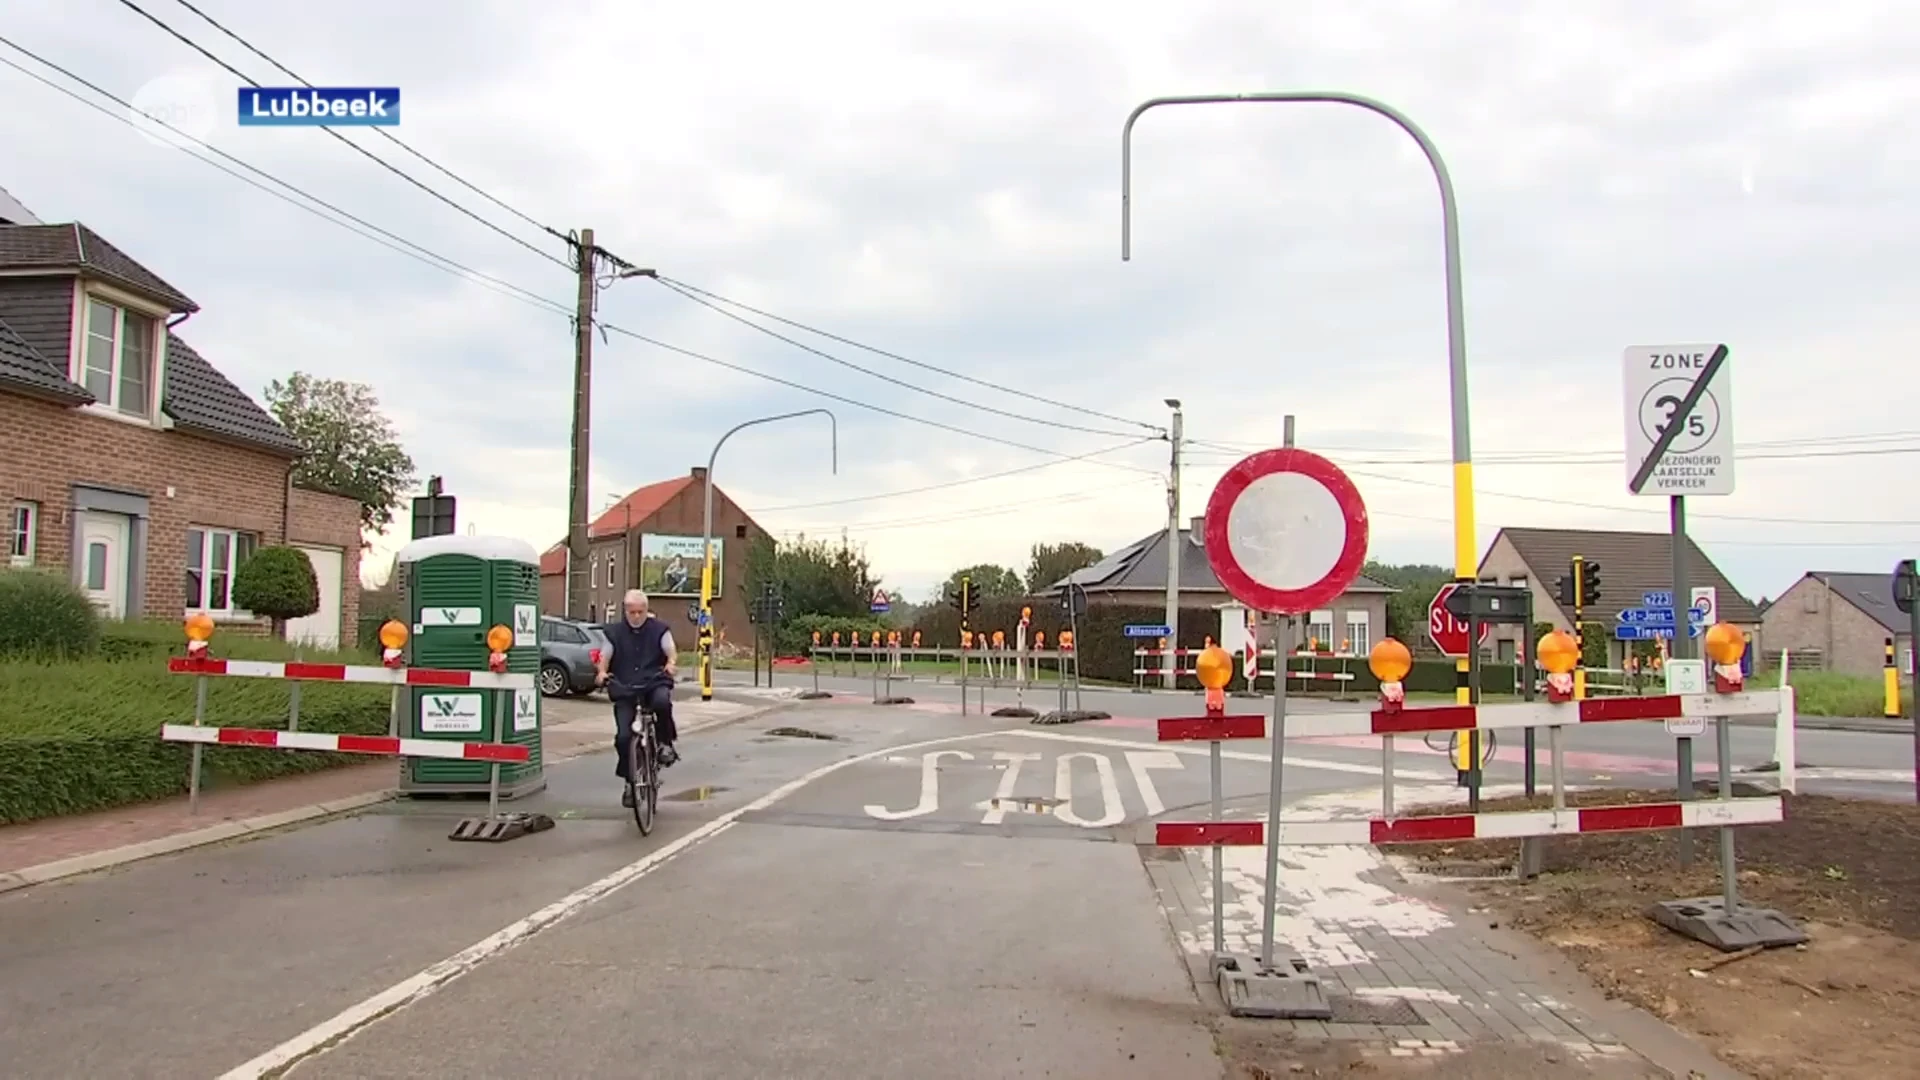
x: 670, y: 565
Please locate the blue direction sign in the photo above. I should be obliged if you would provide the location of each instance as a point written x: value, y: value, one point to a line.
x: 1643, y: 632
x: 1147, y: 631
x: 1655, y: 616
x: 1657, y: 598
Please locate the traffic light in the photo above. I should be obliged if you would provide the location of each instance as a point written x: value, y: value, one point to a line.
x: 1563, y: 585
x: 1589, y: 583
x: 1906, y: 585
x: 969, y: 600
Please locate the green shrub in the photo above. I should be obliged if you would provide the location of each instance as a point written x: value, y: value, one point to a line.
x: 85, y: 735
x: 277, y: 582
x: 43, y: 615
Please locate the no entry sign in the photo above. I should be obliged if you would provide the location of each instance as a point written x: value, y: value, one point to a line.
x: 1286, y: 531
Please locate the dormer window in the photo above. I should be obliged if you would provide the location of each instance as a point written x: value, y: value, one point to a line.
x: 117, y: 358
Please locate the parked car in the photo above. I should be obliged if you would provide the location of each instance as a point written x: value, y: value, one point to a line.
x: 566, y: 656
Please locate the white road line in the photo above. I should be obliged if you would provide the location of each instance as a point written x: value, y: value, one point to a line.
x: 1138, y: 762
x: 1235, y: 755
x: 1009, y: 779
x: 929, y: 787
x: 407, y: 991
x: 1111, y: 811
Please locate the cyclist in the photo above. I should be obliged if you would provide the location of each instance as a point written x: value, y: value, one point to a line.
x: 638, y: 670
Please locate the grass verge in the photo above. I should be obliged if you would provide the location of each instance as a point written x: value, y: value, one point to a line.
x: 83, y: 735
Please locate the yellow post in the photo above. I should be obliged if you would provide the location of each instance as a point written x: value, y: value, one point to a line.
x: 1463, y: 752
x: 1580, y: 627
x: 1892, y: 676
x: 706, y: 625
x: 1466, y: 565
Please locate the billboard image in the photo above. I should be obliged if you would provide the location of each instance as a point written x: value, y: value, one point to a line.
x: 670, y: 565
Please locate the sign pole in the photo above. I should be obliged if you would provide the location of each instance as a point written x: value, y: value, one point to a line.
x: 1682, y: 649
x: 1473, y: 698
x: 1277, y: 773
x: 1913, y: 692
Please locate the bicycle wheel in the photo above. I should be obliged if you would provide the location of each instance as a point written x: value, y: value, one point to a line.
x: 642, y: 785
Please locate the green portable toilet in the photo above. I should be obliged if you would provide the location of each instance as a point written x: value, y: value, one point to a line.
x: 456, y: 588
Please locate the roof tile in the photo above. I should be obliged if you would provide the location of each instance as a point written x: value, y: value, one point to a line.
x: 201, y: 399
x: 1871, y: 593
x: 22, y: 363
x: 74, y: 247
x: 1143, y: 565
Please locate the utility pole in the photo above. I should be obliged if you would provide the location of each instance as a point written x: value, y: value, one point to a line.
x: 577, y: 582
x: 1173, y: 547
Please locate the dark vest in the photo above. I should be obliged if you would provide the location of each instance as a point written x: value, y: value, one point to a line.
x: 639, y: 656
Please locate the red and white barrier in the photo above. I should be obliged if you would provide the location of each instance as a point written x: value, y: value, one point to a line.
x: 1539, y: 714
x: 352, y: 673
x: 381, y: 745
x: 1454, y: 828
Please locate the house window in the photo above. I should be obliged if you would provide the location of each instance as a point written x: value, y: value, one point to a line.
x: 610, y: 563
x: 213, y: 555
x: 1359, y: 633
x: 20, y: 531
x: 117, y: 358
x: 1320, y: 631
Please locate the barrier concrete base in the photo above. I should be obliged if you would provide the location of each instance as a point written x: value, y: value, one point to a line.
x: 1286, y: 991
x: 1706, y: 919
x: 893, y: 701
x: 1071, y: 716
x: 1017, y: 711
x: 812, y: 695
x: 501, y: 829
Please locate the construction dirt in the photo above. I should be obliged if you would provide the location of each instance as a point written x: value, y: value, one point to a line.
x: 1254, y: 1053
x: 1844, y: 1006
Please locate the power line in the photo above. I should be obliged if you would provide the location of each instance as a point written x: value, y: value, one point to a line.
x: 951, y: 483
x: 877, y: 351
x: 447, y: 265
x: 359, y: 225
x: 823, y: 354
x: 881, y: 409
x: 382, y: 132
x: 950, y: 517
x: 1596, y: 457
x: 357, y: 148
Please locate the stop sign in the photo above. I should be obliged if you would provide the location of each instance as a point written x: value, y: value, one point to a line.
x: 1448, y: 633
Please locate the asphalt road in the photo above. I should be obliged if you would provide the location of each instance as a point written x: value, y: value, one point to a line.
x: 920, y: 894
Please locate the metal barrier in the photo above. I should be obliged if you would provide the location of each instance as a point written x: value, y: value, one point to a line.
x: 198, y: 735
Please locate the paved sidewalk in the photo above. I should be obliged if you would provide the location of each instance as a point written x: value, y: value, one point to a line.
x: 1411, y: 971
x: 574, y: 726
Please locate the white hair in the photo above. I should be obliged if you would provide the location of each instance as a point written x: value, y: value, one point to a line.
x: 633, y: 595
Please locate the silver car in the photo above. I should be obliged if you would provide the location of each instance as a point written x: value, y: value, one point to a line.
x: 567, y: 650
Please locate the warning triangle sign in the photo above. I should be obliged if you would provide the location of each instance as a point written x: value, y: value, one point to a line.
x: 880, y: 596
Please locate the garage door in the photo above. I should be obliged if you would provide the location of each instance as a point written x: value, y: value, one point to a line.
x: 322, y: 628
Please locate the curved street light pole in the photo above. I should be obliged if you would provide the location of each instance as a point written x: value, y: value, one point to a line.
x: 1465, y: 566
x: 706, y: 536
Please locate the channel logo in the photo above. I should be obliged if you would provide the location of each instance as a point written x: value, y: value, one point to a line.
x: 325, y: 106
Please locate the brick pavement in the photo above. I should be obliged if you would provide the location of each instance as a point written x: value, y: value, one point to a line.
x: 574, y: 726
x: 1405, y: 971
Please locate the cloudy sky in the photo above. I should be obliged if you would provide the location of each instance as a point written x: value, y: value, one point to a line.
x: 941, y: 181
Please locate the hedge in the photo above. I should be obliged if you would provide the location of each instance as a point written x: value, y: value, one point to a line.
x: 84, y: 735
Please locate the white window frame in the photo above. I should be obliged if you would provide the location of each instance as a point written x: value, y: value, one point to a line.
x: 1361, y: 643
x: 1316, y: 622
x: 611, y: 560
x: 23, y: 526
x: 85, y: 297
x: 232, y: 538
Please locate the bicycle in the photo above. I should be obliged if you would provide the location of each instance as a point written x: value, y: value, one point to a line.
x: 1487, y: 745
x: 643, y: 764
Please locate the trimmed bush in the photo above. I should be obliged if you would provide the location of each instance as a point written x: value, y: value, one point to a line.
x: 44, y: 615
x: 277, y: 582
x: 84, y: 735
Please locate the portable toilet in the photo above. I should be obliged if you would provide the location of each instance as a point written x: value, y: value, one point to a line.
x: 455, y: 589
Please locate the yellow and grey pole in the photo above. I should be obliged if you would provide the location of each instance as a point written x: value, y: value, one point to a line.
x: 706, y: 621
x: 1892, y: 677
x: 1580, y: 627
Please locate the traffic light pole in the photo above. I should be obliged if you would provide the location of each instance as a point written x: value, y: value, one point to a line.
x: 1682, y: 649
x: 1580, y: 627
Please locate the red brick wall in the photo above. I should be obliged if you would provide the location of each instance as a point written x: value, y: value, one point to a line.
x: 46, y: 448
x: 326, y: 520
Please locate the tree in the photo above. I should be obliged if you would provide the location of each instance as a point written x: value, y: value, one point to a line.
x: 1407, y: 609
x: 351, y: 447
x: 1051, y: 562
x: 277, y: 582
x: 988, y: 581
x: 815, y: 576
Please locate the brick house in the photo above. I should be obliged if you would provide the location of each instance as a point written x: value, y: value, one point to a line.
x: 666, y: 513
x: 1631, y: 563
x: 127, y: 461
x: 1137, y: 574
x: 1839, y: 622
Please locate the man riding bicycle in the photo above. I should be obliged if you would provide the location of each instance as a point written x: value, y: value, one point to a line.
x: 637, y: 670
